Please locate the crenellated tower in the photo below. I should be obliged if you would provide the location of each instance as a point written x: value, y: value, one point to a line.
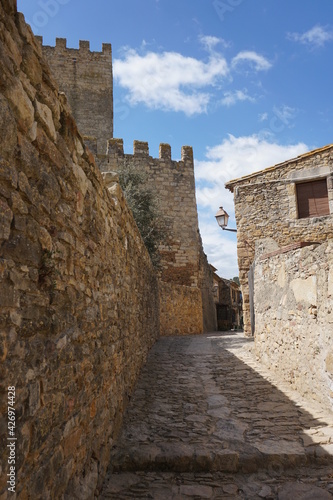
x: 86, y: 78
x: 186, y: 300
x: 173, y: 183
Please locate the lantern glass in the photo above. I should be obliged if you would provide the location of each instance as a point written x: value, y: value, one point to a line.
x: 222, y: 217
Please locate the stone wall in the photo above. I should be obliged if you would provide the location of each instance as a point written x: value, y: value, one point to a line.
x: 183, y: 262
x: 180, y: 309
x: 206, y: 287
x: 86, y: 78
x: 173, y: 184
x: 293, y: 295
x: 266, y: 207
x: 79, y: 306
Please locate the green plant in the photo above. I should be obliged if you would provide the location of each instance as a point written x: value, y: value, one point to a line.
x: 144, y: 205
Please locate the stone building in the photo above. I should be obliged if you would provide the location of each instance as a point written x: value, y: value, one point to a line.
x: 289, y: 203
x: 284, y: 217
x: 228, y: 301
x: 186, y: 298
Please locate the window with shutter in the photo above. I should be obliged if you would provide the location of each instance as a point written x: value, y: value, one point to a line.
x: 312, y: 199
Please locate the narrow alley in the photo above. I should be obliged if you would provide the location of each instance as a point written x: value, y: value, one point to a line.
x: 207, y: 421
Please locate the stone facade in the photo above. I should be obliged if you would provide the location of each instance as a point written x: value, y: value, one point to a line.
x: 79, y: 297
x: 86, y: 78
x: 266, y: 207
x: 293, y: 296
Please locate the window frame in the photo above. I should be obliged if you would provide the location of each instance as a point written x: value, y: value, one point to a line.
x: 319, y: 208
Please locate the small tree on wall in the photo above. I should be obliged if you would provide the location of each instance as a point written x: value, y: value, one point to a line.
x: 144, y: 205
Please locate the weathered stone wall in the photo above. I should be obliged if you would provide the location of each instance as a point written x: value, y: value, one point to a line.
x: 86, y: 78
x: 79, y: 306
x: 180, y: 309
x: 266, y: 207
x: 293, y: 297
x: 206, y: 286
x: 183, y: 262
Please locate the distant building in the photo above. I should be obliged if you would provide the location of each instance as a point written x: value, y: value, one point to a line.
x: 228, y: 301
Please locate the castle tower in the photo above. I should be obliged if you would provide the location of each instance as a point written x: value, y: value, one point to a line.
x: 86, y: 79
x: 186, y: 300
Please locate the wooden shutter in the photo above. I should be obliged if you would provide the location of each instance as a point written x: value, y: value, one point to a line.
x: 312, y: 199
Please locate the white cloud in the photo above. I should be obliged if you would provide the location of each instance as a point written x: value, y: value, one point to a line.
x: 254, y: 59
x: 233, y: 96
x: 233, y: 158
x: 210, y: 42
x: 172, y: 82
x: 169, y: 81
x: 263, y: 117
x: 236, y: 157
x: 285, y: 113
x: 315, y: 37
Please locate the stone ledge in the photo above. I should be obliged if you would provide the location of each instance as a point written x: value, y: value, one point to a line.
x: 288, y: 248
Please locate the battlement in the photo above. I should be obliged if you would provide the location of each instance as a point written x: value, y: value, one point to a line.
x: 141, y: 149
x: 86, y: 78
x: 84, y: 46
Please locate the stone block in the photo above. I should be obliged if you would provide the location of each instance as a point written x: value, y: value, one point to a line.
x: 21, y: 104
x: 330, y: 282
x: 305, y: 290
x: 45, y: 118
x: 6, y: 217
x: 71, y: 442
x: 34, y: 397
x: 8, y: 129
x: 8, y: 174
x: 192, y: 491
x: 302, y: 491
x: 48, y: 187
x: 48, y: 150
x: 22, y: 250
x: 82, y: 180
x: 31, y: 65
x: 45, y: 239
x: 329, y: 363
x: 18, y: 205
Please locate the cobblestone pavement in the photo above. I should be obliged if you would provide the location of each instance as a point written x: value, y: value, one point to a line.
x: 207, y: 421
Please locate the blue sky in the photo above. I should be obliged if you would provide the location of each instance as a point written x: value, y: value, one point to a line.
x: 247, y: 83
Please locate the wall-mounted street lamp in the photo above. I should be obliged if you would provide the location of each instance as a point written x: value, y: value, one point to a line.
x: 222, y: 218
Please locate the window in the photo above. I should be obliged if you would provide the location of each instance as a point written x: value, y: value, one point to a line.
x: 312, y: 199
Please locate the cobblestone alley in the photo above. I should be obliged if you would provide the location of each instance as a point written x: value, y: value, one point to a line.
x: 207, y: 421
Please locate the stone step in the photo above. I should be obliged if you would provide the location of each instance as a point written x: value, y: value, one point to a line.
x: 236, y: 457
x: 206, y: 421
x: 299, y: 484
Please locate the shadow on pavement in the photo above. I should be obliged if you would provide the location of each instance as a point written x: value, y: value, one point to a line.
x: 198, y: 408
